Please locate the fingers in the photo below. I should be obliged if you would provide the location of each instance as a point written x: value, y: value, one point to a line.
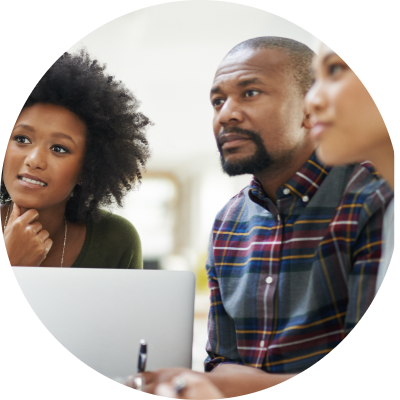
x: 165, y: 390
x: 189, y: 385
x: 47, y: 245
x: 132, y: 381
x: 35, y: 227
x: 43, y: 235
x: 150, y: 379
x: 24, y: 219
x: 147, y: 384
x: 149, y: 376
x: 26, y: 241
x: 191, y: 377
x: 29, y: 216
x: 15, y: 213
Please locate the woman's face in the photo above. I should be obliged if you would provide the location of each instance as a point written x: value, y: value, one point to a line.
x: 44, y: 156
x: 347, y: 125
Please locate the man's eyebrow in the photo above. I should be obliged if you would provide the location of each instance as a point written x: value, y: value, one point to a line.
x: 215, y: 90
x: 243, y: 83
x: 248, y: 82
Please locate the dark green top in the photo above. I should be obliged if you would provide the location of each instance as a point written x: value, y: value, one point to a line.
x: 110, y: 243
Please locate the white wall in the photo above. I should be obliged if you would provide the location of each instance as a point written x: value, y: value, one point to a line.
x: 167, y: 55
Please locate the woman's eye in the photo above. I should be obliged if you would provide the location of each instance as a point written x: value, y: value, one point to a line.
x: 252, y: 93
x: 60, y: 149
x: 335, y: 68
x: 21, y: 139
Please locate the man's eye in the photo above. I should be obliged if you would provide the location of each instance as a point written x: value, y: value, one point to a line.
x: 252, y: 93
x: 60, y: 149
x: 217, y: 102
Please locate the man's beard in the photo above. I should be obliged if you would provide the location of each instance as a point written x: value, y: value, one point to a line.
x: 259, y: 161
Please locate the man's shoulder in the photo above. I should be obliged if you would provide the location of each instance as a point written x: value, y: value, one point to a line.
x: 235, y: 202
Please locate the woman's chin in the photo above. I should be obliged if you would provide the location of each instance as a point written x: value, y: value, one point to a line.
x: 25, y: 203
x: 39, y: 204
x: 332, y: 157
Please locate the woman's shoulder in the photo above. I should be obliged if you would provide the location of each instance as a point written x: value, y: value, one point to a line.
x: 111, y: 242
x: 107, y: 217
x: 116, y: 226
x: 388, y: 221
x: 390, y: 210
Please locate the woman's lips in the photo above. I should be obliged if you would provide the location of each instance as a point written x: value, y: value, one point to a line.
x: 31, y: 181
x: 318, y: 129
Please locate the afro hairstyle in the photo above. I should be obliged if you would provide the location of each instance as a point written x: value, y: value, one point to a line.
x: 116, y: 145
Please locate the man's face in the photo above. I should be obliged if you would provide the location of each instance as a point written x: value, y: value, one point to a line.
x: 258, y: 111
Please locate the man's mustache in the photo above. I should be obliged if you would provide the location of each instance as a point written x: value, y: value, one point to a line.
x: 235, y: 129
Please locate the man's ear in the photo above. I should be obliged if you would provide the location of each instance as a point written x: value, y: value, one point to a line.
x: 307, y: 118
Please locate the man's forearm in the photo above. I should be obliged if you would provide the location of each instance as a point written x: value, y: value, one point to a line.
x: 237, y: 380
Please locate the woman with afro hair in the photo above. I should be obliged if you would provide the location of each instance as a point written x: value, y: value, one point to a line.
x: 78, y: 144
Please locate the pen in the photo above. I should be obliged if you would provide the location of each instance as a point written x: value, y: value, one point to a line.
x: 142, y: 356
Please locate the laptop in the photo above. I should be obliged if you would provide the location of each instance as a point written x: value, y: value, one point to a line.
x: 100, y: 315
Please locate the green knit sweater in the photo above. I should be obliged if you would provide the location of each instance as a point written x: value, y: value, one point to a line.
x: 110, y: 243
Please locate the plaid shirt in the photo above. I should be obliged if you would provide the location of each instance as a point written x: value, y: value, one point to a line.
x: 289, y: 280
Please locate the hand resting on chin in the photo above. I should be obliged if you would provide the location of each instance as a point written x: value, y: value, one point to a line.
x: 26, y: 242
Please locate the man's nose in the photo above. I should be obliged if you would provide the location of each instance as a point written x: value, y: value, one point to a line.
x: 230, y: 112
x: 36, y: 158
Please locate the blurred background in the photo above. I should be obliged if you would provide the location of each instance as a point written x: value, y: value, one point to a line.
x: 167, y: 55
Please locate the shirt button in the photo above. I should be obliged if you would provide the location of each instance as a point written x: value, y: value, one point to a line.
x: 305, y: 199
x: 269, y: 279
x: 286, y: 191
x: 262, y: 343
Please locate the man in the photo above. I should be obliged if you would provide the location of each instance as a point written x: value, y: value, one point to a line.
x: 293, y: 257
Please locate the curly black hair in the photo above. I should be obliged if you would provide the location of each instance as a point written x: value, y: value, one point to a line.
x: 116, y: 144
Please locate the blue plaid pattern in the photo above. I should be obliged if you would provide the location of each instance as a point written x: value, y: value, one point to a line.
x: 289, y: 280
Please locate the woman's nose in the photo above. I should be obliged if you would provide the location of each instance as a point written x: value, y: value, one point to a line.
x: 36, y: 158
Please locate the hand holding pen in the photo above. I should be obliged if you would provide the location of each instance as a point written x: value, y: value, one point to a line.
x: 138, y: 380
x: 142, y: 356
x: 189, y: 385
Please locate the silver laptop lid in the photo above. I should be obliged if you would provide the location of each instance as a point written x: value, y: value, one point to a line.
x: 100, y: 315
